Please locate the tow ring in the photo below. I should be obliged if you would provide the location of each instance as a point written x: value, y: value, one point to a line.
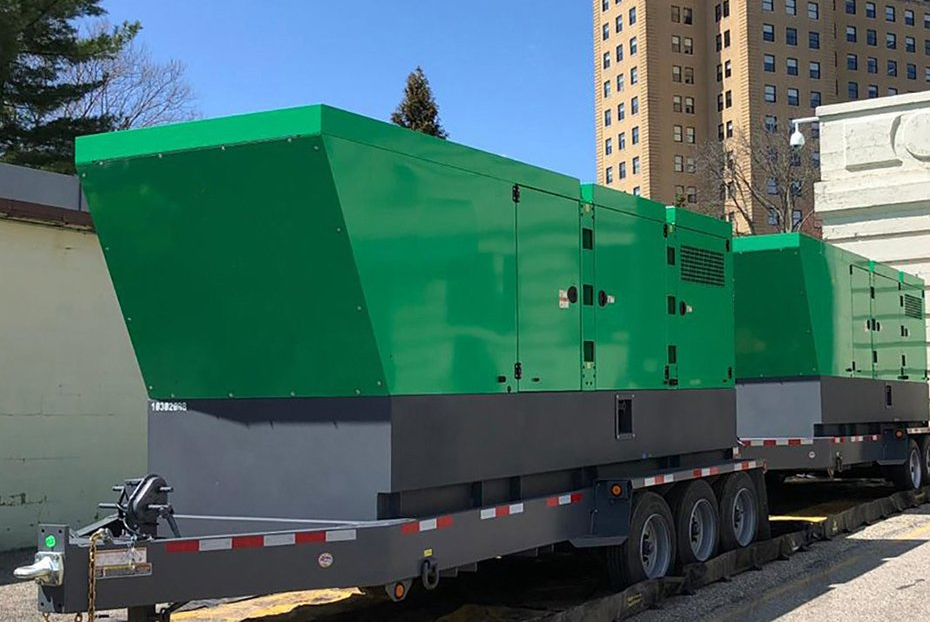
x: 429, y: 573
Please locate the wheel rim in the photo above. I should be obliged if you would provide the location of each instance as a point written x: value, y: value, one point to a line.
x: 655, y: 545
x: 703, y: 530
x: 913, y: 464
x: 927, y: 458
x: 744, y: 517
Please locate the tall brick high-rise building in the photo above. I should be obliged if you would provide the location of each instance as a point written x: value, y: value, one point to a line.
x: 674, y: 74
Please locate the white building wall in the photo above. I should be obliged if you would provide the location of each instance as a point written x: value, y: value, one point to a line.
x: 874, y: 193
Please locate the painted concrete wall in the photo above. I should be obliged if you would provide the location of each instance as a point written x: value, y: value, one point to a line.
x: 72, y: 403
x: 874, y: 197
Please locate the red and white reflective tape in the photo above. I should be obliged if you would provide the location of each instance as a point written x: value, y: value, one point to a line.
x: 430, y: 524
x: 501, y: 511
x: 839, y: 440
x: 918, y: 430
x: 682, y: 476
x: 776, y: 442
x: 574, y: 497
x: 235, y: 543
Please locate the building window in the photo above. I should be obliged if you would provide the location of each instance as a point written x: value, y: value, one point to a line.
x: 607, y: 118
x: 892, y: 91
x: 927, y: 74
x: 768, y: 5
x: 619, y: 52
x: 690, y: 168
x: 621, y: 86
x: 850, y: 7
x: 687, y: 16
x: 609, y: 174
x: 692, y: 194
x: 813, y: 10
x: 796, y: 214
x: 634, y: 135
x: 679, y: 164
x: 608, y: 146
x: 729, y: 99
x: 892, y: 68
x: 634, y: 105
x: 791, y: 36
x: 687, y: 45
x: 852, y: 62
x: 677, y: 133
x: 689, y: 75
x: 719, y: 102
x: 622, y: 170
x: 689, y: 135
x: 719, y: 40
x: 619, y: 23
x: 792, y: 66
x: 605, y: 5
x: 676, y: 14
x: 911, y: 71
x: 771, y: 186
x: 634, y: 75
x: 636, y: 165
x: 870, y: 10
x: 632, y: 16
x: 621, y: 112
x: 873, y: 91
x: 729, y: 134
x: 726, y: 38
x: 770, y: 93
x: 621, y: 141
x: 872, y: 64
x: 676, y: 73
x: 891, y: 40
x: 909, y: 17
x: 927, y: 47
x: 689, y: 105
x: 791, y: 7
x: 633, y: 47
x: 889, y: 13
x: 726, y: 8
x: 771, y: 123
x: 605, y: 32
x: 768, y: 32
x: 676, y: 43
x: 816, y: 99
x: 607, y: 89
x: 676, y: 103
x: 813, y: 40
x: 718, y: 13
x: 851, y: 34
x: 852, y: 89
x: 719, y: 72
x: 768, y: 62
x: 910, y: 44
x: 636, y: 189
x: 871, y: 37
x: 606, y: 63
x: 794, y: 98
x: 728, y: 69
x: 720, y: 134
x: 814, y: 70
x: 815, y: 159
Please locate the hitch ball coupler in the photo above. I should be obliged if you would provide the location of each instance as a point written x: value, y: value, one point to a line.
x: 48, y: 569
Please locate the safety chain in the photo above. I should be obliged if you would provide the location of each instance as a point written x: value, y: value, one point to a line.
x: 92, y: 577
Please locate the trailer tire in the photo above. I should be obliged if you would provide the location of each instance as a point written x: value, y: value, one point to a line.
x: 739, y: 511
x: 909, y: 474
x: 925, y: 462
x: 697, y: 521
x: 650, y: 550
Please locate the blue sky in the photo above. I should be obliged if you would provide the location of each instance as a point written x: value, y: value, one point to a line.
x: 514, y: 78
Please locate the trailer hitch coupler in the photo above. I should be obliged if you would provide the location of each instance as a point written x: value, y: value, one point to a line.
x: 48, y: 569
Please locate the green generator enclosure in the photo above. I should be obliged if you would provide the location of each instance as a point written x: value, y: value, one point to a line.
x: 397, y: 324
x: 834, y: 338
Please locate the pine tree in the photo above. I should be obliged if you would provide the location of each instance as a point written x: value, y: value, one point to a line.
x: 419, y: 111
x: 39, y: 41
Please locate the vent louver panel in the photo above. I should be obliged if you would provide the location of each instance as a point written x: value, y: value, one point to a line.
x: 913, y: 307
x: 700, y: 265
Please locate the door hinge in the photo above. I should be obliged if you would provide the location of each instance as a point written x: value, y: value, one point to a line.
x: 516, y: 193
x: 517, y: 371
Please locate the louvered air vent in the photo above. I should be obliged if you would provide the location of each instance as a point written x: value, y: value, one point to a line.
x: 700, y: 265
x: 913, y: 307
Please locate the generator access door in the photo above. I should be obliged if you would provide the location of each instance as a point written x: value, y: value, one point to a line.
x: 864, y: 357
x: 548, y: 292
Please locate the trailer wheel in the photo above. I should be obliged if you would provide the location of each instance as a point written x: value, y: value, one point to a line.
x: 925, y: 463
x: 909, y: 474
x: 697, y: 521
x: 739, y: 511
x: 649, y: 552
